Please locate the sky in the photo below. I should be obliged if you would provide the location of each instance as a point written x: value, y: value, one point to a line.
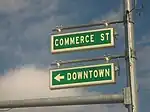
x: 25, y: 57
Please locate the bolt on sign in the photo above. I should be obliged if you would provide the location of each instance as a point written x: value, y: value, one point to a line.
x: 83, y: 40
x: 82, y: 76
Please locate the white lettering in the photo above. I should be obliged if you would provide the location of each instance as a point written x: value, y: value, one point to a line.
x: 82, y: 39
x: 85, y: 74
x: 95, y: 73
x: 86, y: 38
x: 102, y: 37
x: 101, y: 73
x: 56, y: 43
x: 90, y: 73
x: 74, y: 76
x: 79, y: 75
x: 107, y: 72
x: 92, y: 38
x: 72, y: 41
x: 61, y: 42
x: 107, y: 34
x: 77, y: 40
x: 66, y: 41
x: 68, y: 76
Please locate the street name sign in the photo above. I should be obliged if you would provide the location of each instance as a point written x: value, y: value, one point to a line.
x: 83, y: 40
x: 82, y: 76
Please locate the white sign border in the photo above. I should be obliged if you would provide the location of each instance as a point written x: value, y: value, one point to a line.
x: 111, y: 44
x: 112, y: 81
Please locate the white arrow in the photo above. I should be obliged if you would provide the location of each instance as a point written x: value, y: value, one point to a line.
x: 58, y: 77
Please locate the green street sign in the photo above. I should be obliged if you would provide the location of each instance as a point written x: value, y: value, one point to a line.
x: 82, y: 76
x: 82, y: 40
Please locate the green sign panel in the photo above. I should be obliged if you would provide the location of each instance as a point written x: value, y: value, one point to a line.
x: 82, y: 76
x: 82, y: 40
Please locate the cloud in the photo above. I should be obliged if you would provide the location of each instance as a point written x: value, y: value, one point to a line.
x: 31, y: 82
x: 25, y: 32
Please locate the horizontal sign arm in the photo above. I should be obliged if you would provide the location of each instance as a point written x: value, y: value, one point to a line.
x: 89, y: 59
x: 87, y: 25
x: 62, y: 101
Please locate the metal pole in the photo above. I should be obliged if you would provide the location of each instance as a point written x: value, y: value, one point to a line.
x: 89, y: 59
x: 87, y: 25
x: 62, y: 101
x: 130, y: 53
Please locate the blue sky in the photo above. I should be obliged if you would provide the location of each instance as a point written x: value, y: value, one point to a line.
x: 25, y: 28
